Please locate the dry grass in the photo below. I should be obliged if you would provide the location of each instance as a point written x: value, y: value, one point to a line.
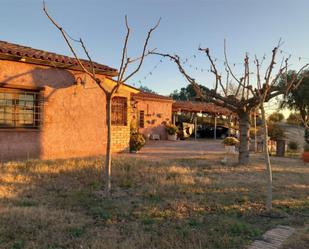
x: 300, y: 240
x: 185, y: 203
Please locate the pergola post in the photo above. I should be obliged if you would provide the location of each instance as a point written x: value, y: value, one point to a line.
x: 255, y: 135
x: 195, y: 127
x: 215, y: 127
x: 229, y: 125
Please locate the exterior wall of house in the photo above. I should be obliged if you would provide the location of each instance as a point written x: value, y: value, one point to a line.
x: 156, y: 114
x: 120, y: 133
x: 74, y: 123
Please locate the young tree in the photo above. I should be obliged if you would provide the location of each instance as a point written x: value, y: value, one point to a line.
x: 122, y: 77
x: 247, y: 97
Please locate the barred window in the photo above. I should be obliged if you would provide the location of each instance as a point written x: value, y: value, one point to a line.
x: 141, y: 119
x: 119, y: 111
x: 20, y: 108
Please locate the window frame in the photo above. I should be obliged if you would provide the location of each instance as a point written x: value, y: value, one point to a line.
x: 17, y: 109
x: 141, y: 119
x: 119, y: 111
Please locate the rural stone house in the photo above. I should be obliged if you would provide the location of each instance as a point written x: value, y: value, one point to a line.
x: 50, y: 109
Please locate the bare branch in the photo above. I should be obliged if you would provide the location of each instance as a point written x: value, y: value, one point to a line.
x: 124, y: 50
x: 230, y: 70
x: 210, y: 95
x: 214, y: 71
x: 66, y: 40
x: 144, y: 52
x: 65, y: 36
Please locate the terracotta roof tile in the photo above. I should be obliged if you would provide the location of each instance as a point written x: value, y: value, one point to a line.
x: 154, y: 96
x: 42, y: 57
x: 194, y: 106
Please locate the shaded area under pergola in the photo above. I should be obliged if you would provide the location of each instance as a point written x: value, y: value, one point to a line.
x: 202, y: 108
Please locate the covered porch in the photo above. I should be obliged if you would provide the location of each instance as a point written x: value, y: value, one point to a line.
x: 204, y: 115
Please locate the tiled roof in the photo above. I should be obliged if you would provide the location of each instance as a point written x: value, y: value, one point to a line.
x: 154, y: 96
x: 12, y: 51
x: 192, y: 106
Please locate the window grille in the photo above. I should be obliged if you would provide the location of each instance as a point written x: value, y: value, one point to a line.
x: 20, y: 108
x: 119, y: 111
x: 141, y: 119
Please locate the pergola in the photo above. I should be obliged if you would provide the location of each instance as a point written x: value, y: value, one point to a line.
x: 203, y: 108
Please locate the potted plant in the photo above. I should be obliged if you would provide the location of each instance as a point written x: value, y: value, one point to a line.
x: 306, y: 153
x: 137, y: 141
x: 171, y: 130
x: 230, y: 144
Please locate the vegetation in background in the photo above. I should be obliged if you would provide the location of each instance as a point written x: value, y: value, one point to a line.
x: 276, y: 117
x: 294, y: 119
x: 298, y: 99
x: 275, y: 132
x: 186, y: 93
x: 146, y: 89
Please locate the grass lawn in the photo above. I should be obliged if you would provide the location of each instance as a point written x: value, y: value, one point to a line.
x: 184, y: 203
x: 298, y: 241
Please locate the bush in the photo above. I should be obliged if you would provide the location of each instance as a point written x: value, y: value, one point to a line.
x: 293, y: 145
x: 275, y: 132
x: 306, y: 148
x: 294, y: 119
x: 171, y: 129
x: 230, y: 141
x: 137, y: 141
x: 276, y: 117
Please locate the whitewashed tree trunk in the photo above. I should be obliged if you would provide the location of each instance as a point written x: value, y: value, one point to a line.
x: 108, y: 159
x: 269, y: 196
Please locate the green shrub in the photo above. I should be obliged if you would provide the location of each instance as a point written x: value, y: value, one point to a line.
x: 137, y: 141
x: 294, y: 118
x: 230, y: 141
x: 171, y: 129
x: 293, y: 145
x: 275, y: 132
x: 306, y: 148
x: 276, y: 117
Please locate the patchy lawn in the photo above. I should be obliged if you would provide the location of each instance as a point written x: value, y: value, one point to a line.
x: 300, y: 240
x: 184, y: 203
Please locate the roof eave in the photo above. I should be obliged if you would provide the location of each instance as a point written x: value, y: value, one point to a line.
x: 110, y: 73
x: 154, y: 99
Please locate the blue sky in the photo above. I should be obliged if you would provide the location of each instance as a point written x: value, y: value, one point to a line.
x: 248, y: 25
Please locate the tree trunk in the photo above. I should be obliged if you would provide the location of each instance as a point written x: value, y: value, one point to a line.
x: 108, y: 160
x: 267, y: 159
x: 244, y: 128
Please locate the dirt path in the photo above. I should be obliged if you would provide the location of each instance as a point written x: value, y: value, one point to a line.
x: 179, y: 149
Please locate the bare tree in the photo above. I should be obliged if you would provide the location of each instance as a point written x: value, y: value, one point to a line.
x: 247, y: 96
x: 122, y: 77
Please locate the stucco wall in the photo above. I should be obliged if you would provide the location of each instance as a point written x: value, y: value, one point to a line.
x: 74, y: 122
x: 156, y: 114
